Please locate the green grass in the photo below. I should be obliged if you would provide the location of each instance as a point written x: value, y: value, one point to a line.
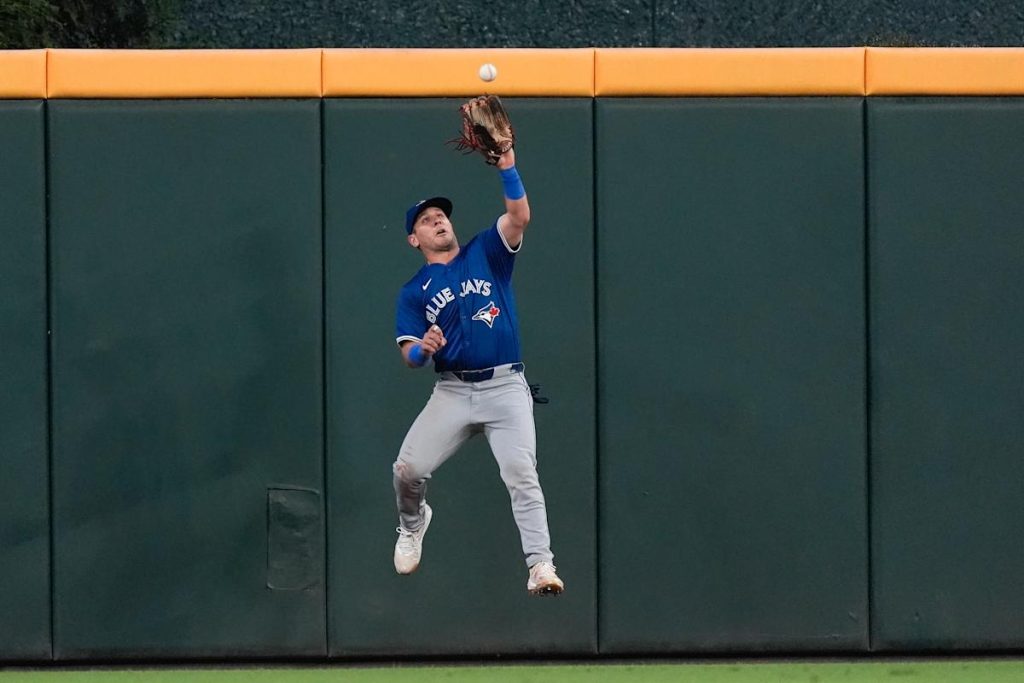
x: 1000, y: 671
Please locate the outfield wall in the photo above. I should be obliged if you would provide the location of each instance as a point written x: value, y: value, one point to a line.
x: 771, y: 294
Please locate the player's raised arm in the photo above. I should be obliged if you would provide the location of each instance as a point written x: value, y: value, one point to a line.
x: 513, y: 222
x: 486, y: 129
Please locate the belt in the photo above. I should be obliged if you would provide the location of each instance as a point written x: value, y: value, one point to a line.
x: 486, y: 373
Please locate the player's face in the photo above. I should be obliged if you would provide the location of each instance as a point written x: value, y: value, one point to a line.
x: 433, y: 231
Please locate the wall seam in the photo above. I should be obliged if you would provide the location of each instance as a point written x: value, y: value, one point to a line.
x: 326, y: 379
x: 47, y: 299
x: 597, y: 378
x: 868, y: 423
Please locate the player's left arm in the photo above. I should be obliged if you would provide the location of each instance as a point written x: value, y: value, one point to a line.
x: 513, y: 222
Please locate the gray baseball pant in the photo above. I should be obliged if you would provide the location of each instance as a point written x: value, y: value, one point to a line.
x: 501, y: 408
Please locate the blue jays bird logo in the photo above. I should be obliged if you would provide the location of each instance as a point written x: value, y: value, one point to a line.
x: 488, y: 313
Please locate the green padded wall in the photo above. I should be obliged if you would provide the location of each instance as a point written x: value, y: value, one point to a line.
x: 187, y: 378
x: 469, y: 595
x: 24, y: 469
x: 732, y: 375
x: 946, y: 264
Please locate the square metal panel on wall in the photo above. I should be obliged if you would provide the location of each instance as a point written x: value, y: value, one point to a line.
x: 469, y: 596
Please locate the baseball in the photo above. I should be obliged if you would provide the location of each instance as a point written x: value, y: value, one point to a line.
x: 488, y: 72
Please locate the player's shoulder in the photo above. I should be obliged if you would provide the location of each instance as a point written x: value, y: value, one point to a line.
x: 481, y: 238
x: 415, y: 282
x: 477, y: 238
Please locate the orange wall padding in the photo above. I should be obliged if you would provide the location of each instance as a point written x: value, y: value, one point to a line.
x: 768, y: 71
x: 22, y: 74
x: 184, y: 73
x: 944, y: 71
x: 419, y: 73
x: 575, y: 72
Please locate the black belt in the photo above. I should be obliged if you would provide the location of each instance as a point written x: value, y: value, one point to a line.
x: 484, y: 375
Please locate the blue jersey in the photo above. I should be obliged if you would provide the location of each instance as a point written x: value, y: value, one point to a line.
x: 471, y: 300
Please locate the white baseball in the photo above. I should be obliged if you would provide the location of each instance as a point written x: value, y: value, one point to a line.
x: 488, y: 72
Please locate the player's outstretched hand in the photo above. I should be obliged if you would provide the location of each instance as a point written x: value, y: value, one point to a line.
x: 433, y: 340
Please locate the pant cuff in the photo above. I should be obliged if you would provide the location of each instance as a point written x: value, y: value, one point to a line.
x: 534, y: 558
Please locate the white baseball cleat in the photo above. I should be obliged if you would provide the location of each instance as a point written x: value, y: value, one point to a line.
x: 544, y: 580
x: 409, y: 546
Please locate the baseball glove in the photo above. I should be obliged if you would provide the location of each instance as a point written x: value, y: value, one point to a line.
x: 485, y: 128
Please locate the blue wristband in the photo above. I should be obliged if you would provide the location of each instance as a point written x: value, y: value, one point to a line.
x: 416, y: 356
x: 513, y: 183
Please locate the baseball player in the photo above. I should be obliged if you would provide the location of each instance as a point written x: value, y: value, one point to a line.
x: 459, y: 312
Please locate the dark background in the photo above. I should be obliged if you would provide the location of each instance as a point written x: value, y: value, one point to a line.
x: 531, y: 23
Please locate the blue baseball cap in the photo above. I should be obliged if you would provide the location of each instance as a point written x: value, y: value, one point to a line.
x: 422, y: 205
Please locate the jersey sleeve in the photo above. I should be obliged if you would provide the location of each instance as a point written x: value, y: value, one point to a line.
x: 410, y: 324
x: 501, y: 257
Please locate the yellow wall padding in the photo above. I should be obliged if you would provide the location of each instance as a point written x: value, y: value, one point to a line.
x: 740, y: 71
x: 945, y: 71
x: 421, y: 73
x: 22, y: 74
x: 184, y: 73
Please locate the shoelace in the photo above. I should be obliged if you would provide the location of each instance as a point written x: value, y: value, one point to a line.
x: 405, y: 540
x: 543, y: 568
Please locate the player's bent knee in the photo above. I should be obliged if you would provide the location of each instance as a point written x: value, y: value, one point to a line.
x: 406, y: 472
